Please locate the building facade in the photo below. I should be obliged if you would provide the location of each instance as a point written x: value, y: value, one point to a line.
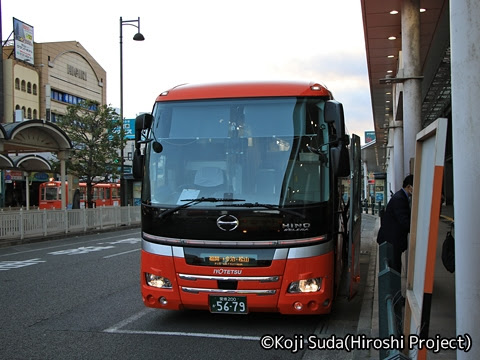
x: 62, y: 74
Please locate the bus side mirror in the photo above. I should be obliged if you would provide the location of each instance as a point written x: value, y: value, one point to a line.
x: 340, y: 160
x: 142, y: 122
x: 334, y: 115
x: 339, y: 153
x: 137, y: 164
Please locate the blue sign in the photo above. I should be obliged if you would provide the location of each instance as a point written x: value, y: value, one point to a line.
x: 128, y: 129
x: 41, y: 176
x: 369, y: 136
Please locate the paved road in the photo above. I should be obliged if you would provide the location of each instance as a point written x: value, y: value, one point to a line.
x: 79, y: 298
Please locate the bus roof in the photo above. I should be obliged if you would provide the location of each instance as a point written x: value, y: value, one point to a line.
x: 243, y: 90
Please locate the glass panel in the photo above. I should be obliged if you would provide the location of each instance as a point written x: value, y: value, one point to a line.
x: 258, y: 150
x: 51, y: 193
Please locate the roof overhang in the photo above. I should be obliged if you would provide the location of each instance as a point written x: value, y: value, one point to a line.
x: 6, y: 162
x: 32, y: 162
x: 384, y: 55
x: 34, y: 136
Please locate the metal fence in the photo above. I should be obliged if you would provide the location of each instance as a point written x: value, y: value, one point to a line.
x: 23, y: 224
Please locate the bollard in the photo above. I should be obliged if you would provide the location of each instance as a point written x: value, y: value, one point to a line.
x: 373, y: 208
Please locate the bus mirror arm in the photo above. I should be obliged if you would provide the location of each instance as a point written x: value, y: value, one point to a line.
x: 323, y: 158
x: 138, y: 135
x: 137, y: 164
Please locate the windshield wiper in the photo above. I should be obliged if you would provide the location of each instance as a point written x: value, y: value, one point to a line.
x: 191, y: 202
x: 269, y: 206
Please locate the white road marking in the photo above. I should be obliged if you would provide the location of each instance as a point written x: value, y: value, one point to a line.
x: 81, y: 250
x: 122, y: 253
x: 124, y: 241
x: 8, y: 265
x: 63, y: 245
x: 129, y: 320
x: 189, y: 334
x: 117, y: 329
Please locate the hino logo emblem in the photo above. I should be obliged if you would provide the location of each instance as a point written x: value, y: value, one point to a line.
x: 296, y: 227
x: 227, y: 222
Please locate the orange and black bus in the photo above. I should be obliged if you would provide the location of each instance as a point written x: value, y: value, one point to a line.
x: 243, y: 199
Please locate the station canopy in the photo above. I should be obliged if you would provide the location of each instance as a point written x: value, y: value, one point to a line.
x: 21, y: 141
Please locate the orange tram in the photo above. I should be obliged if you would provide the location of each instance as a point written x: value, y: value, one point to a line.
x: 104, y: 194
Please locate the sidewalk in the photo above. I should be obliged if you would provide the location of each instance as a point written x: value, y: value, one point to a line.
x: 442, y: 315
x: 368, y: 320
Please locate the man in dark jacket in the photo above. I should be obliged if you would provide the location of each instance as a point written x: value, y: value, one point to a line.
x: 395, y: 223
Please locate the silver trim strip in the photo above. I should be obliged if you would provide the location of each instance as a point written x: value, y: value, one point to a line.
x: 222, y: 291
x: 309, y: 251
x: 157, y: 249
x: 229, y: 278
x: 236, y: 244
x: 178, y: 252
x: 280, y: 254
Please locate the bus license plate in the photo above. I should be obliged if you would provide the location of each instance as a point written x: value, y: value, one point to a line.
x: 228, y: 304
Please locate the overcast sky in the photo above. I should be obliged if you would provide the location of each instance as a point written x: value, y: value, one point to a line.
x: 194, y: 41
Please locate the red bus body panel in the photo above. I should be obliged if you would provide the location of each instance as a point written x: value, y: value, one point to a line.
x: 243, y: 90
x: 287, y: 271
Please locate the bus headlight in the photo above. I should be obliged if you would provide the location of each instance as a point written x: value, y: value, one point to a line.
x: 305, y: 286
x: 158, y: 281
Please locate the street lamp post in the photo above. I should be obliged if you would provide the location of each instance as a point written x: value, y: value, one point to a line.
x: 137, y: 37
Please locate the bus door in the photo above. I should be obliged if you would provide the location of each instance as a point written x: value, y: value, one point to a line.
x: 355, y: 217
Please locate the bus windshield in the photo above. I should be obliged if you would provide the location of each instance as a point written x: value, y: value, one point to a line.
x: 256, y: 149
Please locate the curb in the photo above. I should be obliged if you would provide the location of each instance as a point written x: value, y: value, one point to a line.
x: 368, y: 319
